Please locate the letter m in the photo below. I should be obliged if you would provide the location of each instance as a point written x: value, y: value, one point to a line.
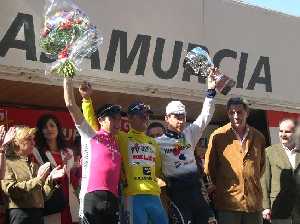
x: 141, y: 43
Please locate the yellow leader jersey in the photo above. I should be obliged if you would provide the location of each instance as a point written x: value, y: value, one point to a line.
x: 140, y: 157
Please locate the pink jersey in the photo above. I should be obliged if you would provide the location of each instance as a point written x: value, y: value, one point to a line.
x: 101, y: 160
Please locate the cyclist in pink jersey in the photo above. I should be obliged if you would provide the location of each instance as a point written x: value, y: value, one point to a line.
x: 101, y: 161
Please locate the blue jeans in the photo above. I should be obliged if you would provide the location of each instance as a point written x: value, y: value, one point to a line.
x: 142, y: 209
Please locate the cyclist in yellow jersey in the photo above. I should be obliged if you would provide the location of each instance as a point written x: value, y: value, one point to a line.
x: 141, y: 162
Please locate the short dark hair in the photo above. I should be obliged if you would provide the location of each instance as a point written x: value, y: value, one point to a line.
x: 155, y: 125
x: 237, y: 101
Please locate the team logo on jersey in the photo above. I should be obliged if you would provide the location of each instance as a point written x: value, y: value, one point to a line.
x: 106, y: 141
x: 147, y: 171
x: 141, y: 154
x: 178, y: 148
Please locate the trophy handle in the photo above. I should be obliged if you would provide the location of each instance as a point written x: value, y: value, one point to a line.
x: 223, y: 83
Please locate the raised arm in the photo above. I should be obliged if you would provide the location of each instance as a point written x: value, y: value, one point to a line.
x: 208, y: 109
x: 71, y: 103
x: 85, y: 90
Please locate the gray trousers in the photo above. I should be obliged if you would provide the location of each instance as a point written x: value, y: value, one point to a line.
x: 285, y: 221
x: 232, y: 217
x: 281, y: 221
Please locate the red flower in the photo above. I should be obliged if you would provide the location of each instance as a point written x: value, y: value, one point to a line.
x: 77, y: 21
x: 66, y: 25
x: 63, y: 53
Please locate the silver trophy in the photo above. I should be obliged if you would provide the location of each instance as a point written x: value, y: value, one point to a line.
x: 198, y: 62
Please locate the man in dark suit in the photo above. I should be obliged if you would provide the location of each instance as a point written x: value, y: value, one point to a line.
x: 280, y: 195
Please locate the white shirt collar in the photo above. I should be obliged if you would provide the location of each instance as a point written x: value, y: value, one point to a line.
x: 291, y: 154
x: 289, y: 150
x: 242, y: 140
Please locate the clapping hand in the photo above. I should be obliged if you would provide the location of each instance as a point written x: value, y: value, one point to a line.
x: 6, y: 137
x: 67, y: 156
x: 44, y: 170
x: 58, y: 172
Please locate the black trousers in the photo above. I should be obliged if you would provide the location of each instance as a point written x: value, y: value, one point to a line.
x: 185, y: 192
x: 100, y: 207
x: 25, y: 216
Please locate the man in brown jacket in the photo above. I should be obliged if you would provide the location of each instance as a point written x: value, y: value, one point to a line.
x: 235, y: 162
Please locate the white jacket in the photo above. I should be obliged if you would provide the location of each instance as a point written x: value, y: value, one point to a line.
x: 177, y: 155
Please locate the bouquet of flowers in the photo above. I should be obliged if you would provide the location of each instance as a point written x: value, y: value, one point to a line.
x: 67, y: 37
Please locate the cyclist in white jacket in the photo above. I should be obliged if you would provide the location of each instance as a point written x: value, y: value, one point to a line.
x: 179, y: 166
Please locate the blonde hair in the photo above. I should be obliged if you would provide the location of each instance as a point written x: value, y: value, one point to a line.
x: 23, y: 133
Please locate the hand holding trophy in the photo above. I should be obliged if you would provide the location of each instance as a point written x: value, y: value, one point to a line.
x: 198, y: 62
